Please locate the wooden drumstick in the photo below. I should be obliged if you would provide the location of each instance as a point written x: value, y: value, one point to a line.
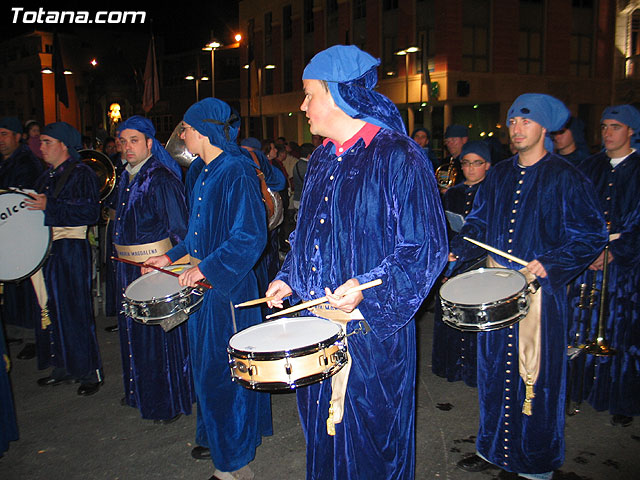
x: 168, y: 272
x: 257, y: 301
x: 498, y: 252
x: 318, y: 301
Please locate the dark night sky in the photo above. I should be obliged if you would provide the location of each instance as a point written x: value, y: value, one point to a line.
x: 183, y: 27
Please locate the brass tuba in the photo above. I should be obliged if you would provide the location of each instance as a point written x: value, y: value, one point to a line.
x: 446, y: 175
x: 177, y: 149
x: 103, y: 168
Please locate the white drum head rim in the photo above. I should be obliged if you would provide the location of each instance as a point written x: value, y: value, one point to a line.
x: 25, y: 240
x: 483, y: 286
x: 156, y: 285
x: 284, y: 334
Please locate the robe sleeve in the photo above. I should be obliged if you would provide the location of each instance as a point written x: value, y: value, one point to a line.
x: 78, y: 202
x: 625, y: 249
x: 169, y: 203
x: 228, y: 264
x: 419, y: 255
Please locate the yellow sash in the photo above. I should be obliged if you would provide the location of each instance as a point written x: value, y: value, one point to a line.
x: 140, y: 253
x: 37, y: 279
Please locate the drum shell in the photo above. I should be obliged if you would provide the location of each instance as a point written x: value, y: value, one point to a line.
x: 286, y: 370
x: 485, y: 317
x: 497, y: 313
x: 156, y: 310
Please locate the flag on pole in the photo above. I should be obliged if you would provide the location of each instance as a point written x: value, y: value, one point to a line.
x: 58, y: 69
x: 151, y: 94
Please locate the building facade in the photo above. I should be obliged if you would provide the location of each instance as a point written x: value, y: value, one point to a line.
x: 464, y: 61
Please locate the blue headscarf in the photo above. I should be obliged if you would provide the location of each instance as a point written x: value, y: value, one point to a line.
x: 352, y: 75
x: 478, y: 147
x: 217, y: 121
x: 144, y: 125
x: 546, y: 110
x: 628, y: 115
x: 66, y: 134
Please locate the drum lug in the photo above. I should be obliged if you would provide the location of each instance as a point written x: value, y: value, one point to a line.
x: 523, y: 303
x: 533, y: 286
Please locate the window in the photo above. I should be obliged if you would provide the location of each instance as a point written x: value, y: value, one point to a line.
x: 531, y: 42
x: 475, y: 35
x: 268, y: 31
x: 359, y: 9
x: 286, y: 22
x: 308, y: 16
x: 582, y: 15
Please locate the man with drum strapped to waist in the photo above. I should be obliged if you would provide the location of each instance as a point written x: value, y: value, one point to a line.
x: 151, y: 217
x: 227, y: 234
x: 19, y: 168
x: 539, y: 208
x: 70, y: 199
x: 370, y: 210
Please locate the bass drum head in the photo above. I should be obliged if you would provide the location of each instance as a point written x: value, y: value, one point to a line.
x: 284, y: 335
x: 155, y: 285
x: 24, y: 238
x: 483, y: 286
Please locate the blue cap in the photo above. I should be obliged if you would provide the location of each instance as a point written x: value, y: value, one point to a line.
x: 11, y: 123
x: 543, y: 109
x: 479, y: 148
x: 251, y: 142
x: 456, y: 131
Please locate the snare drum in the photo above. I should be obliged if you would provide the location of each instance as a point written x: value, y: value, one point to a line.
x: 484, y: 299
x: 158, y: 299
x: 286, y: 353
x: 24, y: 239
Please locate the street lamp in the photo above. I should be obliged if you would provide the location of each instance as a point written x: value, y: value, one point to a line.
x: 212, y: 47
x: 406, y: 53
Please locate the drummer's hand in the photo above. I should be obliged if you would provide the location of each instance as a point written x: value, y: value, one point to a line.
x: 38, y: 201
x: 189, y: 277
x: 277, y: 289
x: 452, y: 257
x: 347, y: 303
x: 537, y: 269
x: 157, y: 261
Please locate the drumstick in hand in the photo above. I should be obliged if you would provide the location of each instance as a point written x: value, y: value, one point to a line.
x: 168, y: 272
x: 497, y: 252
x: 318, y: 301
x: 257, y: 301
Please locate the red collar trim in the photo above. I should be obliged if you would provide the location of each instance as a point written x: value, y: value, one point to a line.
x: 366, y: 133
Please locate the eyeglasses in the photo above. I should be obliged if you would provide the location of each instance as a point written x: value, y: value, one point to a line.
x: 183, y: 127
x: 475, y: 163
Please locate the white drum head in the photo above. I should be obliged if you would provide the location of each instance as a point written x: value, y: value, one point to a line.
x: 284, y: 334
x: 485, y: 285
x: 155, y: 285
x: 24, y: 238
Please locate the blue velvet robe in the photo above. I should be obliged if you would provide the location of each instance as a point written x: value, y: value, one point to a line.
x: 70, y: 341
x: 8, y: 423
x: 155, y: 364
x: 612, y: 383
x: 112, y: 296
x: 453, y: 355
x: 227, y: 232
x: 547, y: 212
x: 20, y: 306
x: 372, y: 212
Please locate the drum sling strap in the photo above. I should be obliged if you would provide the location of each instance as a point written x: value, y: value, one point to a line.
x: 37, y: 279
x: 529, y: 340
x: 339, y: 380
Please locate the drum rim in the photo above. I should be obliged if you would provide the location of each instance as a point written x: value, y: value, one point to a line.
x: 486, y: 304
x: 284, y: 386
x: 289, y: 353
x: 46, y: 253
x: 155, y: 300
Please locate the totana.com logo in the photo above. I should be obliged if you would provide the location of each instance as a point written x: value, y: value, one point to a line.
x: 20, y: 15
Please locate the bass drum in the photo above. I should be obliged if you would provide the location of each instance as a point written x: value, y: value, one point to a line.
x: 24, y: 239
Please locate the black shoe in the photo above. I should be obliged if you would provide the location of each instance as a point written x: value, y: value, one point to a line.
x: 52, y: 381
x: 123, y: 401
x: 111, y: 328
x: 474, y: 463
x: 28, y: 352
x: 201, y: 453
x: 89, y: 388
x: 621, y: 420
x: 167, y: 421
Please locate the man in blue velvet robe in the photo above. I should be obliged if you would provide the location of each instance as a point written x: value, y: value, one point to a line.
x: 226, y: 236
x: 539, y: 208
x: 8, y: 422
x: 69, y: 196
x: 612, y: 382
x: 453, y: 355
x: 151, y: 215
x: 370, y: 210
x: 19, y: 168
